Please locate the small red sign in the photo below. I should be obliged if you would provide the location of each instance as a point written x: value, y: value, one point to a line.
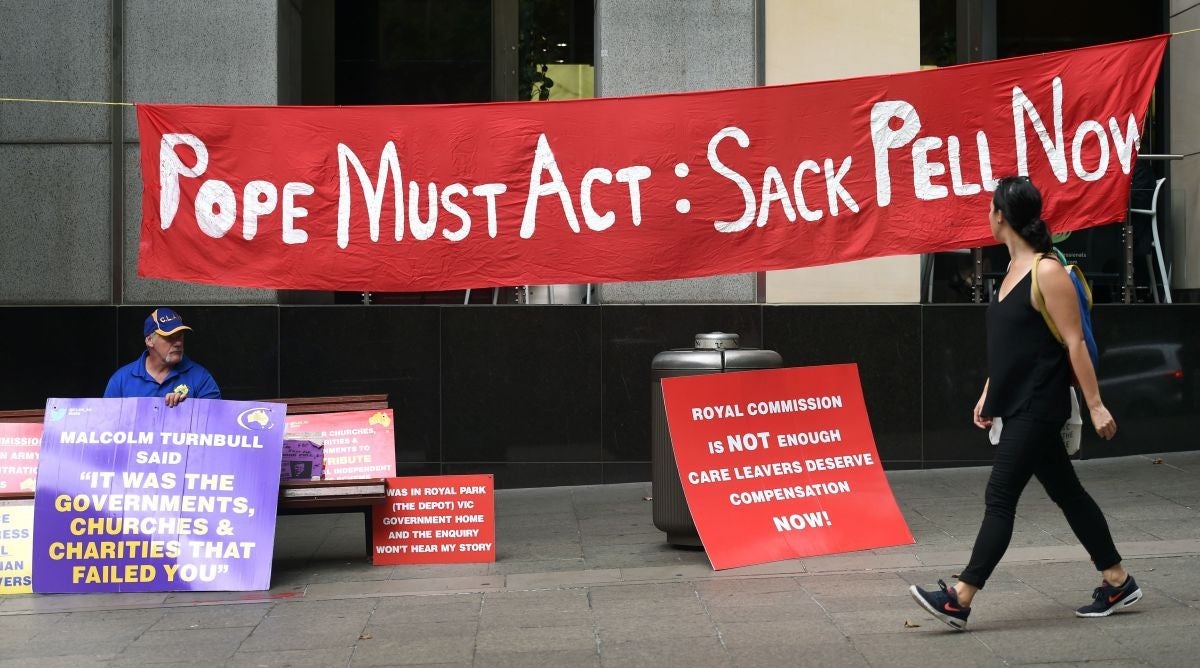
x: 356, y: 444
x: 20, y: 443
x: 447, y: 519
x: 780, y: 463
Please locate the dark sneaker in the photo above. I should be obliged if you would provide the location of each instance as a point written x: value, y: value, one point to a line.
x: 942, y: 604
x: 1107, y: 599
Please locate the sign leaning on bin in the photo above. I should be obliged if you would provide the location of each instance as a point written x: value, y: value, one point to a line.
x: 780, y: 463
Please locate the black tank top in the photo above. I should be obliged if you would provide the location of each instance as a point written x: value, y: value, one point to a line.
x: 1028, y: 370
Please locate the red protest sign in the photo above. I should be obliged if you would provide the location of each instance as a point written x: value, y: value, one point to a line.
x: 780, y: 463
x: 20, y: 443
x: 443, y: 197
x: 446, y: 519
x: 356, y: 444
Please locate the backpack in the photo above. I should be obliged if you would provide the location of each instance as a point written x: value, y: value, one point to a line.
x: 1082, y: 292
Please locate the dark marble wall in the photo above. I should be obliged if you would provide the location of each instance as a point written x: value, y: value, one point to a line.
x: 558, y: 395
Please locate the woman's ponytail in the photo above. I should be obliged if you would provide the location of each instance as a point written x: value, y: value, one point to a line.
x: 1037, y: 235
x: 1020, y: 203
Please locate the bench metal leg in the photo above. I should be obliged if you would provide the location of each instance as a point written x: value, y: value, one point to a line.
x: 368, y: 521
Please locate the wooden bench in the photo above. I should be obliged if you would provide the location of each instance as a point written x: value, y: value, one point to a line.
x: 305, y: 497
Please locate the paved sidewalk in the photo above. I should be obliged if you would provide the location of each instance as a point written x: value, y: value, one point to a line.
x: 583, y: 578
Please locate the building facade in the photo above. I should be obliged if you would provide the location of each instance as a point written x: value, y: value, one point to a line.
x: 539, y: 394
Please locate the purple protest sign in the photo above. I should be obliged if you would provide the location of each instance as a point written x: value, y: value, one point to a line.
x: 135, y: 496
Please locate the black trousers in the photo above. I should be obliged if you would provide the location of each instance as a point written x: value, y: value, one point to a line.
x: 1030, y: 447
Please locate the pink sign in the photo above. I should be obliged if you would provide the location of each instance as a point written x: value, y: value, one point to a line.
x: 357, y: 444
x: 20, y: 443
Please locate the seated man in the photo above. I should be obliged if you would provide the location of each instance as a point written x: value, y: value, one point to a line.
x: 163, y: 370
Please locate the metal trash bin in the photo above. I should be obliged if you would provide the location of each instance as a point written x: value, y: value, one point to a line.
x: 715, y: 352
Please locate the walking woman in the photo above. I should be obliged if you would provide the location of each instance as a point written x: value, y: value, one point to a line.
x: 1029, y: 373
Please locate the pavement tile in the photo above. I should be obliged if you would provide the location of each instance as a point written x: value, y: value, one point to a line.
x: 782, y: 632
x: 1113, y: 663
x: 660, y: 591
x: 674, y: 571
x: 799, y: 610
x: 437, y: 650
x: 858, y: 584
x: 404, y: 631
x: 554, y: 600
x: 921, y: 647
x: 81, y: 602
x: 543, y: 638
x: 562, y: 578
x: 833, y: 604
x: 526, y: 659
x: 1028, y: 641
x: 630, y: 607
x: 690, y: 652
x: 895, y: 620
x: 620, y: 629
x: 114, y: 626
x: 842, y: 655
x: 64, y: 661
x: 798, y: 599
x: 34, y: 651
x: 310, y: 625
x: 396, y: 587
x: 414, y: 571
x: 535, y: 566
x: 716, y: 587
x: 293, y: 658
x: 531, y: 617
x: 212, y: 617
x: 536, y: 608
x: 179, y: 646
x: 415, y: 610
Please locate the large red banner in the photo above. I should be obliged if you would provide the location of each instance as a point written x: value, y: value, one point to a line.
x: 407, y: 198
x: 779, y: 464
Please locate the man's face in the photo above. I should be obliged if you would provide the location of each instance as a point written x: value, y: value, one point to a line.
x: 169, y: 349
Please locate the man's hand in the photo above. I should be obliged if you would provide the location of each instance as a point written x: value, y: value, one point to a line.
x: 177, y: 397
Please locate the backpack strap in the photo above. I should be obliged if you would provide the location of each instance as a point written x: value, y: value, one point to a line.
x: 1076, y: 274
x: 1040, y: 301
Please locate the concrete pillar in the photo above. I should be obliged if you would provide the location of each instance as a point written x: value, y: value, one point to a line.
x: 676, y: 45
x: 212, y: 52
x: 1184, y: 182
x: 815, y: 40
x: 54, y: 158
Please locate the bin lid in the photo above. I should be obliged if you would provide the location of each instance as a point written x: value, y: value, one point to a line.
x: 687, y: 358
x: 752, y: 358
x: 716, y: 341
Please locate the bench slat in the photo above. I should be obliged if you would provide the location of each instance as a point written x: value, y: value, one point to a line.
x: 296, y: 406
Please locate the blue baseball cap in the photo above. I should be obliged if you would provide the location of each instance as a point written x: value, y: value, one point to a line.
x: 164, y: 322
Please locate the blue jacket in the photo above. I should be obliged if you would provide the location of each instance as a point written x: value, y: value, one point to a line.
x: 132, y: 380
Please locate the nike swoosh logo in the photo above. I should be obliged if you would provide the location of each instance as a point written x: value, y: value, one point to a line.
x: 950, y: 608
x: 1113, y: 598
